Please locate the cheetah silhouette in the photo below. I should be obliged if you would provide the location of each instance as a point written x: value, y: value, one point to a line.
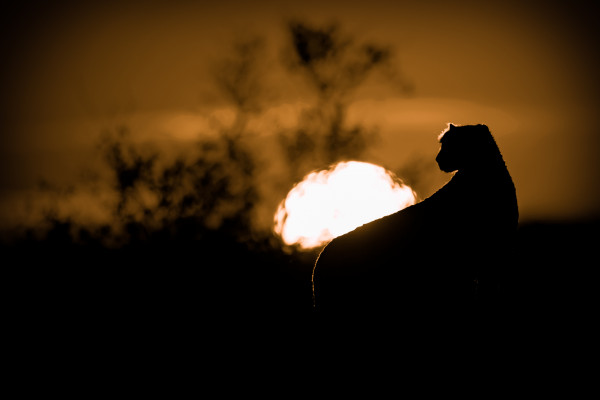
x: 441, y: 256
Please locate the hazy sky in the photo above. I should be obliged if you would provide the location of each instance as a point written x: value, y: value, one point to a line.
x: 526, y: 69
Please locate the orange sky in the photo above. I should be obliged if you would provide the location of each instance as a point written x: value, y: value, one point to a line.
x: 528, y: 71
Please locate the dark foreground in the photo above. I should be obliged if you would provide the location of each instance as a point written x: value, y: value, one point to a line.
x: 54, y: 288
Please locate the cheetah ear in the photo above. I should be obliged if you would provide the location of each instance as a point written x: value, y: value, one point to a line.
x: 450, y: 126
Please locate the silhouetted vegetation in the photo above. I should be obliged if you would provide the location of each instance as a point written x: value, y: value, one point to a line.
x: 181, y: 230
x: 213, y: 187
x: 334, y: 64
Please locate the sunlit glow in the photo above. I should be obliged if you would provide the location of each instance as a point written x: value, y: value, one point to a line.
x: 332, y: 202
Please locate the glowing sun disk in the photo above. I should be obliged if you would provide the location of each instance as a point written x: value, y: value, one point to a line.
x: 332, y: 202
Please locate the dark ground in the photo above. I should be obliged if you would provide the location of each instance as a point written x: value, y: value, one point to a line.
x: 57, y: 293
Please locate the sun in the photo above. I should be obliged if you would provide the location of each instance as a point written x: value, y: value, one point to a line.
x: 329, y: 203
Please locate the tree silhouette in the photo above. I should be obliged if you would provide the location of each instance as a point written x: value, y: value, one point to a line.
x: 333, y: 62
x: 213, y: 189
x: 334, y: 65
x: 181, y: 236
x: 214, y: 186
